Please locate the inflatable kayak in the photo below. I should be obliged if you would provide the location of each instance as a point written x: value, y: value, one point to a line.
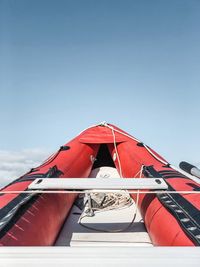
x: 171, y: 218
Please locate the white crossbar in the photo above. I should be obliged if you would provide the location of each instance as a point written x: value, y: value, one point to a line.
x: 102, y: 184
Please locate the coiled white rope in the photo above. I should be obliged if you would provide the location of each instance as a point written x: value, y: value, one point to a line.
x: 113, y: 201
x: 123, y: 203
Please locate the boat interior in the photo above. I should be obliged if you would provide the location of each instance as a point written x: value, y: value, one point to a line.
x: 114, y: 219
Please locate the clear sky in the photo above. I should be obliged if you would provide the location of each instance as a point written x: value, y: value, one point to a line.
x: 65, y: 65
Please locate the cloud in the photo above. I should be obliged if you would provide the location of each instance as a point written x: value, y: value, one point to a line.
x: 15, y: 163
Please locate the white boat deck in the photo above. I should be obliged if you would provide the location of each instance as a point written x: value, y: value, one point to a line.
x: 73, y: 234
x: 77, y: 246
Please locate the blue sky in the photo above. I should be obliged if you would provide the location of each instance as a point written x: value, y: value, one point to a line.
x: 68, y: 64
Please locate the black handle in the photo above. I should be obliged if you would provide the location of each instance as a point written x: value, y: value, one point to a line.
x: 186, y: 166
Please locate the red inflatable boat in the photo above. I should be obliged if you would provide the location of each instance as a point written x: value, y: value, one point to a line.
x: 170, y: 219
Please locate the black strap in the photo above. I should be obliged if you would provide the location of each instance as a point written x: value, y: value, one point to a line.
x: 10, y: 213
x: 186, y: 214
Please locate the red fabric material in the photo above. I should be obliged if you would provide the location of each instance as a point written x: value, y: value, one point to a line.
x: 41, y: 223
